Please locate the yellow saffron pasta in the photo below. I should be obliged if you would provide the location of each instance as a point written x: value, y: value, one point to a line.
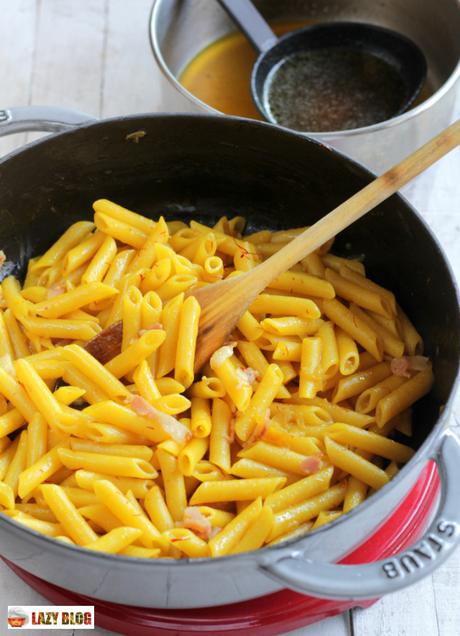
x: 110, y: 441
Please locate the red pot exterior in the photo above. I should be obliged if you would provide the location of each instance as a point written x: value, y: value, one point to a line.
x: 269, y: 615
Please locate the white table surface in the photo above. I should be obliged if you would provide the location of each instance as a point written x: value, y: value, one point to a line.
x: 94, y: 55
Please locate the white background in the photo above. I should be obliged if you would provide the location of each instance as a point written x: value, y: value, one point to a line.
x: 94, y: 55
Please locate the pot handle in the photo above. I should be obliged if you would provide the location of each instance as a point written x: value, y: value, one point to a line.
x: 371, y: 580
x: 40, y: 118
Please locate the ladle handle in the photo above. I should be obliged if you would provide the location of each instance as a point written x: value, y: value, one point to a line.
x: 250, y: 21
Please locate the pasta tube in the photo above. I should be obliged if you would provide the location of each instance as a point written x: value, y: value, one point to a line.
x: 235, y: 490
x: 404, y: 396
x: 67, y: 514
x: 186, y: 341
x: 220, y: 439
x: 174, y: 484
x: 115, y: 541
x: 291, y: 518
x: 223, y: 542
x: 124, y: 509
x: 111, y: 464
x: 254, y: 417
x: 285, y: 306
x: 355, y: 327
x: 311, y: 368
x: 256, y: 534
x: 139, y: 350
x: 354, y: 464
x: 370, y: 442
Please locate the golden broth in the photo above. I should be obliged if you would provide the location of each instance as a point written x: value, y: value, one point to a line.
x: 220, y: 74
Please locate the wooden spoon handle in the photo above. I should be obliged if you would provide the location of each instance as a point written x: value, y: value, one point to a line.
x: 358, y: 205
x: 223, y: 304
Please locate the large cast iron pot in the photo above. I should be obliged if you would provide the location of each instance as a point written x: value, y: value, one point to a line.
x: 201, y: 166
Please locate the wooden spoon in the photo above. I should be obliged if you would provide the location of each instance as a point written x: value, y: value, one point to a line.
x: 223, y: 304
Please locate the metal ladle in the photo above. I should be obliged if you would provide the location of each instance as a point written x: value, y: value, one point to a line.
x: 395, y: 49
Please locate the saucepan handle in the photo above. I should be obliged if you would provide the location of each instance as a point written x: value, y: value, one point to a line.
x: 371, y: 580
x: 40, y: 118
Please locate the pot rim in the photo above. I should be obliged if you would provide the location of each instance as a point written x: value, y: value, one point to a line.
x: 326, y: 136
x: 425, y: 452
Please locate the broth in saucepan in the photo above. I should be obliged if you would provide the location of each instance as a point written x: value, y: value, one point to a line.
x: 333, y: 89
x: 220, y: 77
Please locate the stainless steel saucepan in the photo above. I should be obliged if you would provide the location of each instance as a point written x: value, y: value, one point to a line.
x: 180, y: 29
x: 201, y: 166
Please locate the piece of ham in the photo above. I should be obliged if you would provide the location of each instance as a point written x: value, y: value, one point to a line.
x: 172, y: 427
x: 247, y: 375
x: 222, y: 354
x: 195, y: 521
x: 419, y: 363
x: 404, y: 365
x: 259, y: 430
x: 400, y: 367
x: 56, y: 290
x: 215, y: 531
x: 155, y: 325
x: 311, y: 465
x: 107, y: 344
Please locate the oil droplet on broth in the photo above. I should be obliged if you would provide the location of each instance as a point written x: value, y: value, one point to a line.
x: 333, y: 89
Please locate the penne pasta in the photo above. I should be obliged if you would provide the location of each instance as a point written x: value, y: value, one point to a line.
x: 171, y: 321
x: 123, y: 508
x: 354, y: 326
x: 157, y: 509
x: 300, y: 490
x: 370, y: 442
x: 228, y: 538
x: 285, y: 306
x: 111, y: 464
x: 115, y: 540
x: 311, y: 368
x: 403, y: 397
x: 256, y: 533
x: 354, y: 464
x: 110, y: 441
x: 254, y: 418
x: 220, y: 435
x: 289, y: 519
x: 186, y: 341
x: 282, y: 458
x: 67, y: 514
x: 174, y: 485
x: 362, y: 296
x: 139, y: 487
x: 347, y: 353
x: 355, y: 384
x: 303, y: 284
x: 235, y: 490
